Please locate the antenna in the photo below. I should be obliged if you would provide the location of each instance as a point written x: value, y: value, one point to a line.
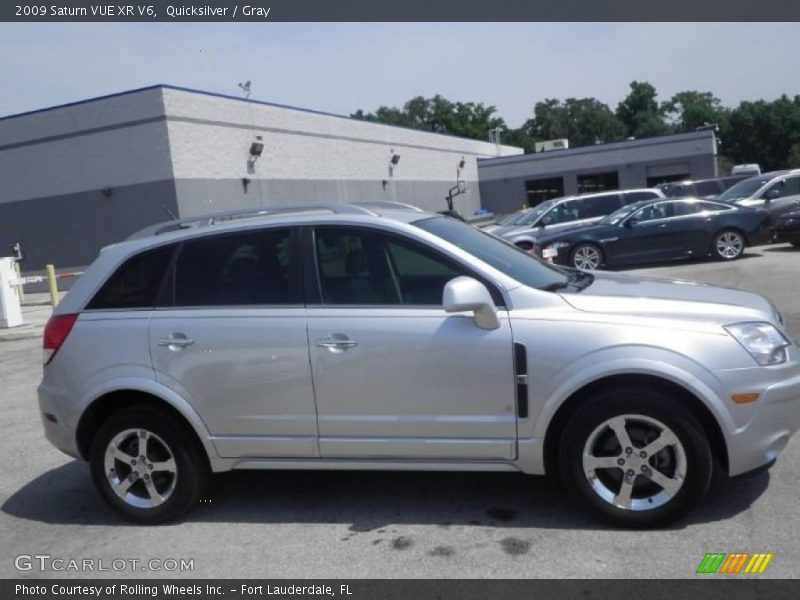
x: 245, y: 88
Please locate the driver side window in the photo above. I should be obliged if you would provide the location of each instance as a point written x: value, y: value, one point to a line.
x: 363, y: 268
x: 662, y: 210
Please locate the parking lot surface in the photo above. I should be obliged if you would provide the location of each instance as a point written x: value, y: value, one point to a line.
x: 363, y: 524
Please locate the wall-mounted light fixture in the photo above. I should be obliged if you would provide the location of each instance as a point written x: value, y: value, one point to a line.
x: 393, y: 160
x: 461, y: 164
x: 256, y: 149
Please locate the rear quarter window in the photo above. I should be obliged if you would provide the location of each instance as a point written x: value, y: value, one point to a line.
x: 135, y: 284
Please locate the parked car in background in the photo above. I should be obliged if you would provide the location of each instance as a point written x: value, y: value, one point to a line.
x: 341, y: 337
x: 787, y: 229
x: 660, y: 230
x: 748, y: 170
x: 778, y: 192
x: 558, y: 213
x: 700, y: 188
x: 508, y: 220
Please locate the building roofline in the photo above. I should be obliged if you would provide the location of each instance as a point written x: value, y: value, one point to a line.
x: 594, y: 148
x: 235, y: 98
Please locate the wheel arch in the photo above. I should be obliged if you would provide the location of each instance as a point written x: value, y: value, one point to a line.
x: 113, y: 401
x: 686, y: 397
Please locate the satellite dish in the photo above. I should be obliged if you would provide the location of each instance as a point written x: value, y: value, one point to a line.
x: 245, y: 88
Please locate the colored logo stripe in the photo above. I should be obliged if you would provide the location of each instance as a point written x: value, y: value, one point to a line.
x: 758, y: 563
x: 733, y: 563
x: 711, y: 562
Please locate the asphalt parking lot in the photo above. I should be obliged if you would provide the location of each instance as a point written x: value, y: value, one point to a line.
x: 349, y: 525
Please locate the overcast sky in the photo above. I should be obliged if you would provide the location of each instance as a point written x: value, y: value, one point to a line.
x: 342, y: 67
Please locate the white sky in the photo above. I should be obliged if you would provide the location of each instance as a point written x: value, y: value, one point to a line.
x: 342, y: 67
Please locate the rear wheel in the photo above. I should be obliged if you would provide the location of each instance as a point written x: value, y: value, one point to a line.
x: 728, y: 245
x: 586, y: 257
x: 147, y: 466
x: 635, y: 457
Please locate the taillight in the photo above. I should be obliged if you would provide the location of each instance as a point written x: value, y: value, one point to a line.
x: 55, y: 332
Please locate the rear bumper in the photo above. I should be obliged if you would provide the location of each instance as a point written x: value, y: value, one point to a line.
x: 61, y: 432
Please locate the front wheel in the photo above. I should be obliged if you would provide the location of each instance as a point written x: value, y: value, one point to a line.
x: 728, y: 245
x: 586, y: 257
x: 147, y: 466
x: 635, y: 457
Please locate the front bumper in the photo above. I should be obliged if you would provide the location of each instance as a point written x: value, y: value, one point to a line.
x: 775, y: 418
x: 786, y: 234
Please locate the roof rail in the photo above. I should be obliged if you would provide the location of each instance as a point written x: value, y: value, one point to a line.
x: 388, y: 204
x: 209, y: 219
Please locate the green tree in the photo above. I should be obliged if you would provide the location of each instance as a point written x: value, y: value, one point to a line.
x: 767, y: 133
x: 640, y: 113
x: 439, y: 115
x: 688, y: 110
x: 583, y: 121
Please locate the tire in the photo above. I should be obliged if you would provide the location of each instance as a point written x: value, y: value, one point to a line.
x: 164, y: 485
x: 728, y: 244
x: 586, y: 257
x: 685, y: 467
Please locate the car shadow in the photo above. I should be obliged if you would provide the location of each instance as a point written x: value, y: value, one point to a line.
x: 364, y: 500
x: 787, y: 248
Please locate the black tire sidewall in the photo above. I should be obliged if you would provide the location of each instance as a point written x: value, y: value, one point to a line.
x: 650, y: 403
x: 716, y: 253
x: 191, y: 466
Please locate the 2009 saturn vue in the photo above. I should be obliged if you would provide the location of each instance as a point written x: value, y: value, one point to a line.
x: 382, y: 337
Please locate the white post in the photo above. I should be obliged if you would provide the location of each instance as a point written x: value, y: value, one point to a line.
x: 10, y: 308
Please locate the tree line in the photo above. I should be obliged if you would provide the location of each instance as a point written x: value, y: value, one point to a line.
x: 763, y: 132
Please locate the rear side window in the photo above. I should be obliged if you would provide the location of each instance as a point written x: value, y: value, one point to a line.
x: 600, y: 206
x: 136, y: 283
x: 631, y: 197
x: 239, y: 269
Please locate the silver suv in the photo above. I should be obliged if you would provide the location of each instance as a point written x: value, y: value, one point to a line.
x: 382, y: 337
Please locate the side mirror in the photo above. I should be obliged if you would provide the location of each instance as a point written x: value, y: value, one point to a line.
x: 545, y: 220
x: 467, y: 294
x: 631, y: 222
x: 772, y: 194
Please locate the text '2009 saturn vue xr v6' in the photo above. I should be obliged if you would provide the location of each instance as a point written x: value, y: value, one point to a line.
x: 382, y: 337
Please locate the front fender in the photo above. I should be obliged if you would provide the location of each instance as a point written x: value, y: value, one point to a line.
x: 650, y: 361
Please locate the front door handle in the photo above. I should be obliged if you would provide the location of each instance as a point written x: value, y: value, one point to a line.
x: 176, y: 342
x: 337, y: 343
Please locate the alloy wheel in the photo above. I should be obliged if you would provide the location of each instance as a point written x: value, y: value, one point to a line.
x: 634, y: 462
x: 140, y: 468
x: 730, y: 245
x: 586, y: 258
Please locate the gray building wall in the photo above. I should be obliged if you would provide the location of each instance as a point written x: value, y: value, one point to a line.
x: 75, y: 178
x: 502, y: 180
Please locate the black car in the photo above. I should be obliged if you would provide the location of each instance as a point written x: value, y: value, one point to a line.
x: 787, y: 229
x: 659, y: 230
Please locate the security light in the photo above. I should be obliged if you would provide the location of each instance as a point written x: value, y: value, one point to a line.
x: 256, y: 148
x: 395, y: 159
x: 462, y: 164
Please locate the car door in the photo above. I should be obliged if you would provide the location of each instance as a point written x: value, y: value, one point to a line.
x: 395, y: 376
x: 782, y: 197
x: 230, y: 338
x: 650, y: 234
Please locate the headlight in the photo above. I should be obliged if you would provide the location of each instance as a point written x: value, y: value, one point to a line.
x: 763, y: 341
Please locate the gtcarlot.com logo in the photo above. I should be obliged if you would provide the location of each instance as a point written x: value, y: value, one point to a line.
x: 46, y: 562
x: 735, y: 563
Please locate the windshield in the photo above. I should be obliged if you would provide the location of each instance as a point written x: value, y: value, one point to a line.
x: 619, y: 215
x: 513, y: 218
x: 533, y: 214
x: 743, y: 189
x: 502, y: 255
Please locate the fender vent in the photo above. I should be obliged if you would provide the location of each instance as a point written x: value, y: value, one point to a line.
x: 521, y: 377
